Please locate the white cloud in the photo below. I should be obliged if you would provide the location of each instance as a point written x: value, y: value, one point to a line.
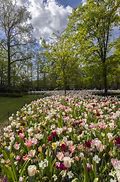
x: 47, y: 17
x: 83, y: 2
x: 21, y: 2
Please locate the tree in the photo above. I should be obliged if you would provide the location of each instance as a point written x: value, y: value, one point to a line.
x: 62, y: 63
x: 114, y: 65
x: 41, y: 69
x: 3, y: 66
x: 91, y: 26
x: 16, y: 33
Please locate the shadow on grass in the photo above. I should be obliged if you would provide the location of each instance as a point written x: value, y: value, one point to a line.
x: 11, y: 104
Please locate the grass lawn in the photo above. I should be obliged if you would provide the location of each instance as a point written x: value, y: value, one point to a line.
x: 9, y: 105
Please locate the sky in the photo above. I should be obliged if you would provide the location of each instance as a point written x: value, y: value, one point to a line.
x: 72, y: 3
x: 49, y: 16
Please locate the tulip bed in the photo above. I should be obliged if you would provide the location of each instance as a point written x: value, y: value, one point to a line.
x: 63, y: 139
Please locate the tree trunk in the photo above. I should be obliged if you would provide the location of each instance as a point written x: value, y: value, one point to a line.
x: 65, y: 86
x: 105, y: 78
x: 44, y: 81
x: 64, y: 82
x: 65, y: 91
x: 38, y: 79
x: 9, y: 66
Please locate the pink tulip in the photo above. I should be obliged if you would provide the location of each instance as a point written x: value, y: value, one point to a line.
x: 28, y: 143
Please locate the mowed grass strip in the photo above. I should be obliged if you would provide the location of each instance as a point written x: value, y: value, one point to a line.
x: 9, y: 105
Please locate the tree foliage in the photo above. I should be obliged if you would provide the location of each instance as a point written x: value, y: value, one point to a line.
x: 62, y: 63
x: 91, y: 26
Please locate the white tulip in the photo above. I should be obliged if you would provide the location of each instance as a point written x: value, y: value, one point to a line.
x: 32, y: 169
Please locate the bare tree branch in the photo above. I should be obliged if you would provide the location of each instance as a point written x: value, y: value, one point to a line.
x: 22, y: 59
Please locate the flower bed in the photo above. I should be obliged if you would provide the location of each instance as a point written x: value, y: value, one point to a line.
x: 63, y: 139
